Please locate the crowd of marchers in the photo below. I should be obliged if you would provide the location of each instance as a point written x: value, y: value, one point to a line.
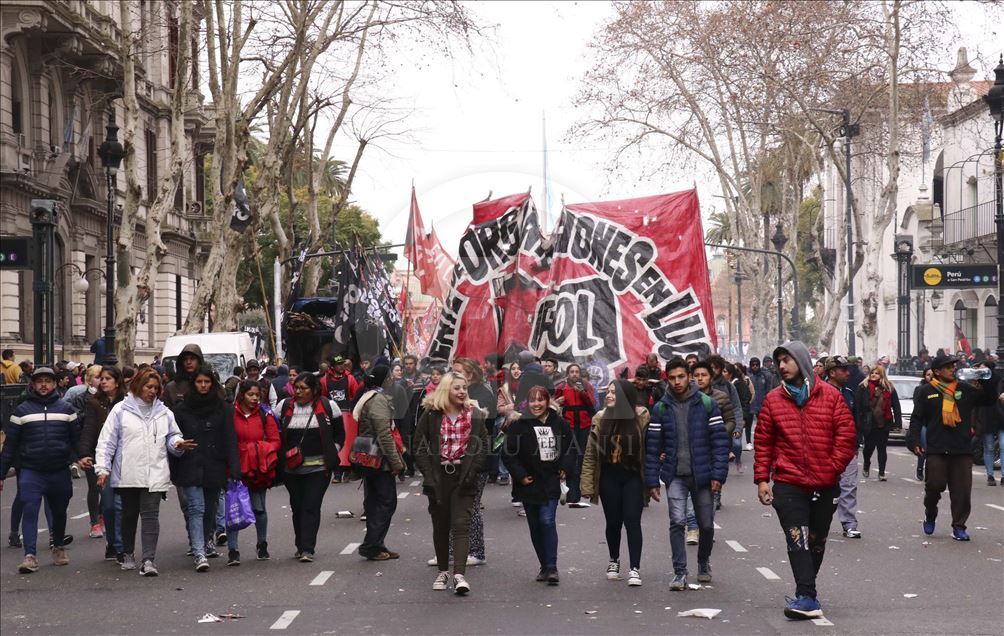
x: 675, y: 429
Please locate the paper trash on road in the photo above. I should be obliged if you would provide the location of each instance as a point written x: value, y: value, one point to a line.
x: 210, y: 618
x: 231, y: 616
x: 909, y: 596
x: 894, y: 547
x: 590, y: 611
x: 345, y: 514
x: 702, y: 612
x: 693, y: 586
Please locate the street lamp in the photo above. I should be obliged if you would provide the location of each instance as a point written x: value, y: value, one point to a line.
x: 739, y: 278
x: 780, y: 240
x: 111, y: 153
x: 904, y: 256
x: 995, y: 100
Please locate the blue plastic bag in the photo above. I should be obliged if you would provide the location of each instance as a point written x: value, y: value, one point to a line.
x: 238, y: 504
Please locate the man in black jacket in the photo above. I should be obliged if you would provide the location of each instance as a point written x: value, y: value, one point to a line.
x: 944, y: 407
x: 42, y: 436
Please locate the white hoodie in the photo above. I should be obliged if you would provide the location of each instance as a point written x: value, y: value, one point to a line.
x: 133, y: 447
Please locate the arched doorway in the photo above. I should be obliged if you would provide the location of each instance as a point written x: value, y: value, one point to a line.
x: 990, y: 323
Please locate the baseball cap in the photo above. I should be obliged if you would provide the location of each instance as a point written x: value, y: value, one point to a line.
x: 939, y: 361
x: 338, y: 360
x: 40, y: 371
x: 252, y: 364
x: 837, y: 362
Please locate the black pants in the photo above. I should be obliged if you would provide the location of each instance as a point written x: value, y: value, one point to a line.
x: 137, y: 504
x: 622, y: 497
x: 379, y: 504
x: 93, y: 496
x: 451, y: 512
x: 805, y: 517
x: 306, y: 492
x: 579, y: 441
x: 956, y: 472
x: 877, y: 438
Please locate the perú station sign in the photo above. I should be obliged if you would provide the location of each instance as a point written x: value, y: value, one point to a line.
x: 941, y: 276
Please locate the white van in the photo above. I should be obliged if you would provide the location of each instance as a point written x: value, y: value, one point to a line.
x: 222, y: 351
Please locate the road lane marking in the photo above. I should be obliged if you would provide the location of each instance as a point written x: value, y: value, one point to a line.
x: 322, y: 578
x: 350, y: 548
x: 403, y: 495
x: 80, y: 516
x: 822, y: 621
x: 768, y: 574
x: 909, y: 479
x: 287, y: 617
x: 735, y: 545
x: 414, y: 483
x: 717, y: 527
x: 996, y: 506
x: 900, y: 453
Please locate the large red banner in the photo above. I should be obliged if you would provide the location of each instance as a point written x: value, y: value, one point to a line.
x: 615, y: 281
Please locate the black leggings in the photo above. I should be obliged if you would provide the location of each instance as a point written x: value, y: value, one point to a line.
x: 876, y: 438
x: 805, y: 517
x: 93, y: 495
x: 621, y: 494
x: 306, y: 493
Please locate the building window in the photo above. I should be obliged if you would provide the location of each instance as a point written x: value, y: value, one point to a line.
x: 200, y: 180
x: 17, y: 100
x: 990, y: 323
x: 151, y: 166
x: 965, y: 322
x: 54, y: 137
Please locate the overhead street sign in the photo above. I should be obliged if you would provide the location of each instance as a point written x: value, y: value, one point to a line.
x: 15, y: 252
x: 941, y: 276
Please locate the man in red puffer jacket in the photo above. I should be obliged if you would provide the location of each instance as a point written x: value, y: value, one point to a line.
x: 804, y: 439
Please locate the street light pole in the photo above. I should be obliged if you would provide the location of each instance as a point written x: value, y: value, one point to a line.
x: 739, y: 278
x: 849, y: 131
x: 779, y: 240
x: 995, y: 100
x: 111, y: 153
x: 903, y: 255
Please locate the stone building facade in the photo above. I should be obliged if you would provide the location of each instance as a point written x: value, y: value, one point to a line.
x: 59, y: 77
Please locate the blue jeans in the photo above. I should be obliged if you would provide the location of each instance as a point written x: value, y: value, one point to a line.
x: 221, y: 513
x: 111, y: 510
x: 201, y: 504
x: 260, y: 519
x: 503, y: 471
x: 543, y: 531
x: 988, y: 451
x: 580, y: 437
x: 57, y: 489
x: 678, y: 492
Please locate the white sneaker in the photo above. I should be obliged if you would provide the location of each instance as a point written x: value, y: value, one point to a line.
x: 634, y: 578
x: 433, y: 562
x: 460, y: 585
x: 749, y: 447
x: 442, y: 580
x: 475, y: 561
x: 516, y: 504
x: 614, y: 571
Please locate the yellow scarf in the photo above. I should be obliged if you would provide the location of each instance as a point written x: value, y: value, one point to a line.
x: 949, y: 407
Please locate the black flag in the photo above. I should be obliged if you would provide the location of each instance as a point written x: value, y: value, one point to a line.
x: 241, y: 218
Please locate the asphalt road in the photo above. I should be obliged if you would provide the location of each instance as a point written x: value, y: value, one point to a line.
x: 863, y: 584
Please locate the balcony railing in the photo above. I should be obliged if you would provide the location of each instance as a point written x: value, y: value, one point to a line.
x: 969, y: 223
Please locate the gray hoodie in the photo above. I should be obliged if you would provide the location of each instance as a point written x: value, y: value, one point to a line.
x: 797, y: 350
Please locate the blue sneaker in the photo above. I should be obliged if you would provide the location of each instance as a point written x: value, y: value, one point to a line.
x: 959, y: 534
x: 802, y: 608
x: 928, y: 526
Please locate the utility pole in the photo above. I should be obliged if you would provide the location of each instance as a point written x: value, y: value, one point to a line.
x: 849, y: 130
x: 43, y: 227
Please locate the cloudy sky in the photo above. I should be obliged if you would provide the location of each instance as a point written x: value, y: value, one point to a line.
x: 477, y: 123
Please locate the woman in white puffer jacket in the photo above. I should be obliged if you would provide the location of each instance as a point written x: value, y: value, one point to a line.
x: 132, y: 452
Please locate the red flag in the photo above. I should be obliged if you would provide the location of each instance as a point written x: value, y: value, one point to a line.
x: 963, y: 342
x: 433, y: 266
x: 416, y: 232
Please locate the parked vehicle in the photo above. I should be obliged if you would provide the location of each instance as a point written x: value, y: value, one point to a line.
x: 223, y: 351
x: 905, y: 385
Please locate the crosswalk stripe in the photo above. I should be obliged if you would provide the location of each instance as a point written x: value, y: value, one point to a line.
x: 717, y: 527
x: 996, y: 506
x: 322, y: 578
x: 402, y: 495
x: 287, y: 617
x: 735, y: 545
x: 350, y: 548
x: 822, y: 621
x: 768, y: 574
x: 415, y: 483
x: 80, y: 516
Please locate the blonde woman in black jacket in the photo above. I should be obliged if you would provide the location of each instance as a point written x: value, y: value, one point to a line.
x: 451, y: 448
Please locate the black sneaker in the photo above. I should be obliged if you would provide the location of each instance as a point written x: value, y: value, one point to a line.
x: 704, y: 572
x: 14, y: 540
x: 864, y: 473
x: 920, y: 474
x: 211, y: 553
x: 110, y: 553
x: 221, y: 538
x: 233, y: 558
x: 306, y: 557
x: 991, y: 481
x: 67, y: 540
x: 542, y: 575
x: 262, y: 550
x: 552, y: 576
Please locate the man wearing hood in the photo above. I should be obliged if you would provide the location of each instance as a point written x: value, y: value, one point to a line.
x: 178, y: 389
x: 687, y: 448
x: 803, y: 442
x: 43, y: 437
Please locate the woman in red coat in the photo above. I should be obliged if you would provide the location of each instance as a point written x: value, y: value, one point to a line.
x: 258, y: 445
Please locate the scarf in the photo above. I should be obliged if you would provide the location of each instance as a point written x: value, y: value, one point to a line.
x: 202, y: 405
x: 881, y: 410
x: 949, y: 407
x: 798, y: 393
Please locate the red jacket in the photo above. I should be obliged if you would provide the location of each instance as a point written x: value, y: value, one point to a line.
x: 807, y: 447
x: 578, y: 406
x: 258, y: 446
